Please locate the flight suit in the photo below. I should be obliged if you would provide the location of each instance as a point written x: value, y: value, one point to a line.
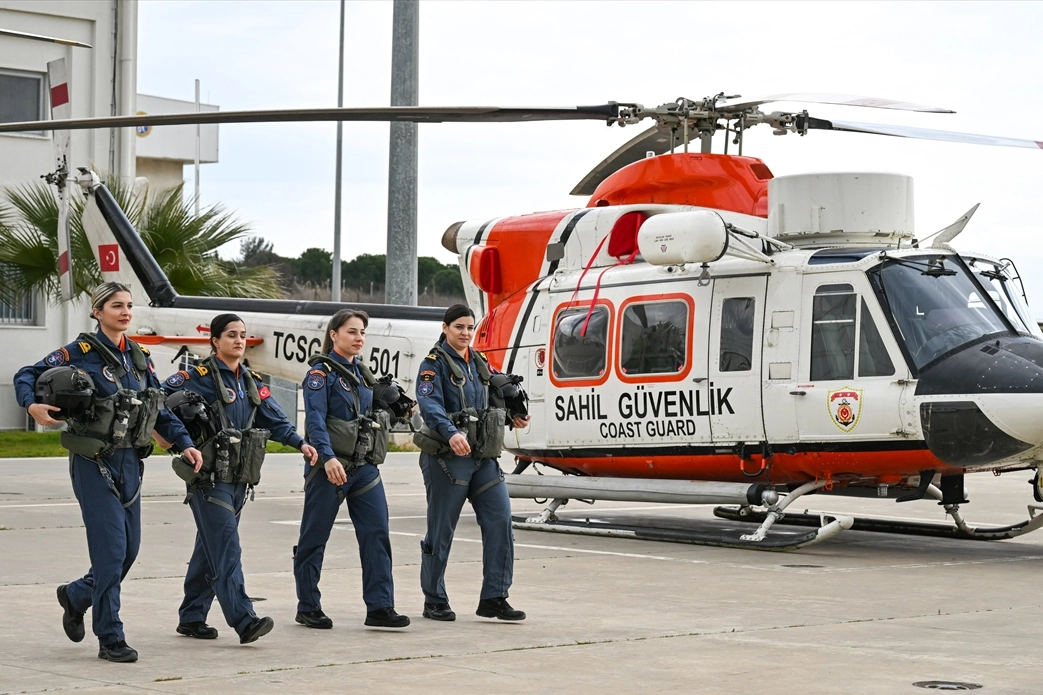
x: 216, y: 566
x: 327, y: 394
x: 452, y: 479
x: 112, y: 521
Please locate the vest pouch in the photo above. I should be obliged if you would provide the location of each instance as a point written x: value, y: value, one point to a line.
x: 489, y: 440
x: 152, y: 401
x: 221, y: 454
x: 80, y: 444
x: 430, y: 442
x: 186, y: 471
x: 380, y: 438
x: 251, y: 455
x: 344, y: 435
x: 100, y: 427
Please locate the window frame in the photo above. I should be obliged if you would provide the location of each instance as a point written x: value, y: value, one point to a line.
x: 661, y: 298
x: 609, y: 342
x: 44, y: 100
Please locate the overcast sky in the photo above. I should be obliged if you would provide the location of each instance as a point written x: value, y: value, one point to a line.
x: 980, y: 59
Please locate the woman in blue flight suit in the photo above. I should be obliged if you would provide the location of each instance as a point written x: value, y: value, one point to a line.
x: 328, y: 394
x: 454, y: 476
x: 216, y: 565
x: 112, y: 521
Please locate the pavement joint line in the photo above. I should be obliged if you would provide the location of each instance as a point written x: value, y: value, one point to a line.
x: 82, y: 678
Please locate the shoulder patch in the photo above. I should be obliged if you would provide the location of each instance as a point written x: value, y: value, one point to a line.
x: 425, y: 388
x: 316, y: 380
x: 85, y: 347
x: 176, y: 379
x: 57, y: 358
x: 144, y: 350
x: 318, y: 371
x: 263, y: 392
x: 201, y: 370
x: 428, y: 375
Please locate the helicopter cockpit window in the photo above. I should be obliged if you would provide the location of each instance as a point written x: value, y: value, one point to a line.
x: 1000, y: 288
x: 833, y: 333
x: 654, y: 338
x: 737, y: 334
x: 579, y: 353
x: 936, y: 305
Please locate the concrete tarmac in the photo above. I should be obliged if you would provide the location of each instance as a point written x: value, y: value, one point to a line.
x: 861, y: 613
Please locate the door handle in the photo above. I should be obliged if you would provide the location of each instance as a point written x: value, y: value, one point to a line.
x: 798, y: 393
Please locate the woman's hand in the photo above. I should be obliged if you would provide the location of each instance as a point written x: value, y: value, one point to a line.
x: 41, y: 412
x: 192, y: 455
x: 520, y: 422
x: 458, y: 443
x: 310, y: 454
x: 335, y: 472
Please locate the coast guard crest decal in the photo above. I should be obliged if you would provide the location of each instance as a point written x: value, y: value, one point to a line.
x: 845, y: 407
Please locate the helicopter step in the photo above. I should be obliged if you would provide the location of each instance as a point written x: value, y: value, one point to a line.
x: 560, y: 489
x: 903, y: 526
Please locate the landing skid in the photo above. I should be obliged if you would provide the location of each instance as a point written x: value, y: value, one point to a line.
x: 829, y: 526
x: 914, y: 528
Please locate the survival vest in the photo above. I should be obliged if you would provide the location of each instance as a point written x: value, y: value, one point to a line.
x: 482, y: 426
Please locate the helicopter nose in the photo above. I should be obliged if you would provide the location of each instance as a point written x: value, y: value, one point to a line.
x: 984, y: 404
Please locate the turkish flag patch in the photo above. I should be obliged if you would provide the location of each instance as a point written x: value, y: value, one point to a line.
x: 263, y: 392
x: 109, y: 258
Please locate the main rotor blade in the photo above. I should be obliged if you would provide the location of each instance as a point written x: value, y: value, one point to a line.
x: 838, y: 99
x: 415, y: 114
x: 902, y: 131
x: 40, y: 37
x: 654, y: 139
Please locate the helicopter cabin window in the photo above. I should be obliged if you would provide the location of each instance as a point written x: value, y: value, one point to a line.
x: 23, y: 97
x: 737, y: 334
x: 581, y: 343
x: 833, y: 333
x: 654, y: 338
x: 873, y: 359
x: 839, y: 319
x: 999, y: 286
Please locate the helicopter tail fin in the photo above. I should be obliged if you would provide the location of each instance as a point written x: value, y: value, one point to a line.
x: 121, y: 254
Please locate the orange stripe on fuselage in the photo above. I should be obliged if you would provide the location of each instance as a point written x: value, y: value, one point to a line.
x: 784, y: 468
x: 522, y: 243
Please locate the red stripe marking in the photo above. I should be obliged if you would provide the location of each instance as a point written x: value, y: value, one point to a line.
x: 63, y: 263
x: 59, y: 95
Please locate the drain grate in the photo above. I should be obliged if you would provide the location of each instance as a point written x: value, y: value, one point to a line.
x: 946, y: 685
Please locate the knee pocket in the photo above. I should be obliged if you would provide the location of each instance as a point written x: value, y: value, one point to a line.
x: 425, y: 548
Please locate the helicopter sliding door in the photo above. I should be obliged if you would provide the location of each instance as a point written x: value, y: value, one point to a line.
x: 733, y: 391
x: 852, y: 373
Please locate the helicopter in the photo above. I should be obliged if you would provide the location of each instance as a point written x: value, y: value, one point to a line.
x: 701, y: 331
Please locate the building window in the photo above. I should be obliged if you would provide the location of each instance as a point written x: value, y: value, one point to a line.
x: 654, y: 338
x: 22, y: 313
x: 579, y: 353
x: 21, y: 97
x: 737, y: 334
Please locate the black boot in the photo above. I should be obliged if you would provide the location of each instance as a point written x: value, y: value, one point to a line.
x: 316, y: 619
x: 71, y: 621
x: 439, y: 611
x: 120, y: 652
x: 258, y: 627
x: 498, y: 608
x: 198, y: 629
x: 386, y: 617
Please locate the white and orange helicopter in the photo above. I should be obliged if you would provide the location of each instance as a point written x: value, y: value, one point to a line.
x: 701, y: 332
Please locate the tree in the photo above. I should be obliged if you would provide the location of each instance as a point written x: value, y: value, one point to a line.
x: 184, y: 245
x: 448, y: 281
x: 314, y: 267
